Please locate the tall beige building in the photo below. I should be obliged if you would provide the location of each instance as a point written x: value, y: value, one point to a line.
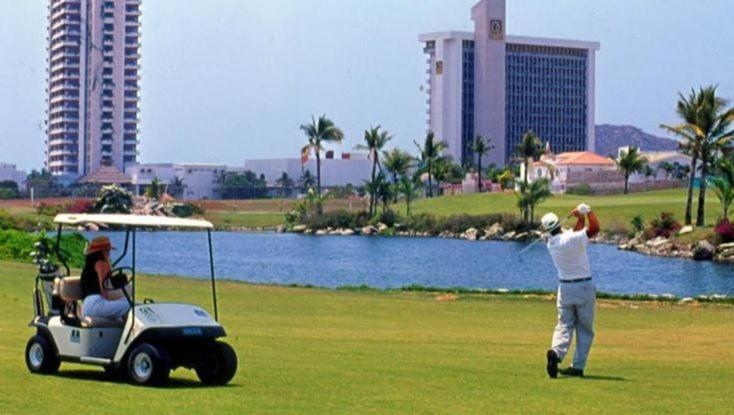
x: 93, y: 76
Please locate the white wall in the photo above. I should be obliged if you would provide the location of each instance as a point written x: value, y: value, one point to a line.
x: 10, y: 172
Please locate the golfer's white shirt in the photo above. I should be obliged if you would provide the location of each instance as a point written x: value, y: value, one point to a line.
x: 568, y: 251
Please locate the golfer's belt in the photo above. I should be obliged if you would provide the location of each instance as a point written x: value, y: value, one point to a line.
x: 576, y: 280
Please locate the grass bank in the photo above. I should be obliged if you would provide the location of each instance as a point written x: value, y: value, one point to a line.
x: 336, y: 351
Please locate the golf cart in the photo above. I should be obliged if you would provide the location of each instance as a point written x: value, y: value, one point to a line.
x: 152, y: 340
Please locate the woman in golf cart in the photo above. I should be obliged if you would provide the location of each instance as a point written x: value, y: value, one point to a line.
x: 99, y: 299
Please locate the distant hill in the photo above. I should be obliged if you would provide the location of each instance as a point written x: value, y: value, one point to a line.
x: 610, y: 137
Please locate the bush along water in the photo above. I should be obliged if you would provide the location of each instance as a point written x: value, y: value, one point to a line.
x: 18, y: 245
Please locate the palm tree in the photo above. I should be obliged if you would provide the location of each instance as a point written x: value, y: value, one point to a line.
x: 374, y: 140
x: 629, y: 162
x: 530, y: 195
x: 703, y: 132
x: 408, y: 187
x: 306, y: 181
x: 723, y: 184
x: 155, y: 189
x: 429, y: 153
x: 285, y: 183
x: 319, y: 132
x: 529, y: 149
x: 480, y: 148
x: 397, y: 162
x: 667, y: 168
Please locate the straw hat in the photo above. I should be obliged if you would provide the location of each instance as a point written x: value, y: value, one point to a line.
x: 98, y: 244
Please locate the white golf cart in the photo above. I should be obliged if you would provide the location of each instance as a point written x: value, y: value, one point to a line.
x: 152, y: 340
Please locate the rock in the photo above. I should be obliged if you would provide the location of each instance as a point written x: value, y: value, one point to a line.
x: 494, y: 231
x: 280, y: 228
x: 470, y: 234
x: 381, y: 227
x: 523, y: 236
x: 509, y: 235
x: 656, y: 242
x: 308, y: 232
x: 686, y: 300
x: 299, y: 228
x: 686, y: 229
x: 347, y: 232
x: 334, y: 232
x: 91, y: 227
x: 703, y: 251
x: 401, y: 227
x: 321, y: 232
x: 369, y: 230
x: 668, y: 296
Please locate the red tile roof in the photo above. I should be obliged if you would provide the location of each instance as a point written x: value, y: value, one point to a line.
x: 583, y: 158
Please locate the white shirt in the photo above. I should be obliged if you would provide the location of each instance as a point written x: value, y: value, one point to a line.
x: 568, y: 251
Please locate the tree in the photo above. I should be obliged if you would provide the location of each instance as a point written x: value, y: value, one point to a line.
x: 431, y: 150
x: 155, y: 189
x: 176, y: 187
x: 704, y: 130
x: 318, y: 133
x: 529, y: 195
x: 529, y: 149
x: 630, y: 162
x: 723, y: 184
x: 408, y: 187
x: 481, y: 147
x: 43, y: 183
x: 667, y: 168
x: 236, y: 185
x: 397, y: 162
x: 306, y: 181
x: 285, y: 183
x: 378, y: 189
x: 374, y: 140
x: 649, y: 171
x: 113, y: 199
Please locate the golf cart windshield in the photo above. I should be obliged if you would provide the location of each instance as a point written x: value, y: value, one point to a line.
x: 130, y: 223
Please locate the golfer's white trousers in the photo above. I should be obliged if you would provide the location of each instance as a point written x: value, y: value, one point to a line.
x: 576, y: 302
x: 96, y: 306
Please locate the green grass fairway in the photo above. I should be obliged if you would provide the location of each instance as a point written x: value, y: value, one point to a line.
x: 324, y: 351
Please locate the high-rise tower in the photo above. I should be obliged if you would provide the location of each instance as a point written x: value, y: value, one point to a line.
x: 93, y: 75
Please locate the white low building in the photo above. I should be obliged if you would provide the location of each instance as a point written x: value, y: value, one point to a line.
x: 10, y: 172
x: 199, y: 180
x: 350, y: 168
x: 657, y: 160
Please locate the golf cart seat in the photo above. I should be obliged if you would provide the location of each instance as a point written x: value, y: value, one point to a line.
x: 70, y: 290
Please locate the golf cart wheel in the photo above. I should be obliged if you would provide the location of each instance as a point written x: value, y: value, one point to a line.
x: 40, y: 356
x: 148, y: 365
x: 219, y: 364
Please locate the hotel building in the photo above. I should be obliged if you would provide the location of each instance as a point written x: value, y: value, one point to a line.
x: 93, y: 75
x: 498, y: 86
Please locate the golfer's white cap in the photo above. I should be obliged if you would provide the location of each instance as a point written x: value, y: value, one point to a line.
x: 550, y: 222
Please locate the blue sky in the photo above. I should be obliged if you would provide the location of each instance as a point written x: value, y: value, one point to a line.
x: 225, y: 80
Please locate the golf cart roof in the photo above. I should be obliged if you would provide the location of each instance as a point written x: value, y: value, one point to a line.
x: 138, y: 221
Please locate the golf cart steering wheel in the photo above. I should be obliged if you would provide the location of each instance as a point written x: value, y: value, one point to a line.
x: 119, y: 278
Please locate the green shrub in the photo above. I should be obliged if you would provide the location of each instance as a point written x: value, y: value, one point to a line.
x: 49, y: 209
x: 638, y: 223
x: 18, y: 245
x: 388, y: 217
x: 665, y: 226
x: 337, y: 219
x: 581, y: 190
x: 421, y: 222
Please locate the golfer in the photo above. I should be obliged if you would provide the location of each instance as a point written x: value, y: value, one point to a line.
x: 576, y: 292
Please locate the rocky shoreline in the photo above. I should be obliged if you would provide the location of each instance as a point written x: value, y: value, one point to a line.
x: 702, y: 250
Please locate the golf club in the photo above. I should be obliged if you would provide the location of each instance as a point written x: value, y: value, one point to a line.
x: 542, y: 237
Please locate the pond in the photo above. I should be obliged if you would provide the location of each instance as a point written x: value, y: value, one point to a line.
x: 334, y: 261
